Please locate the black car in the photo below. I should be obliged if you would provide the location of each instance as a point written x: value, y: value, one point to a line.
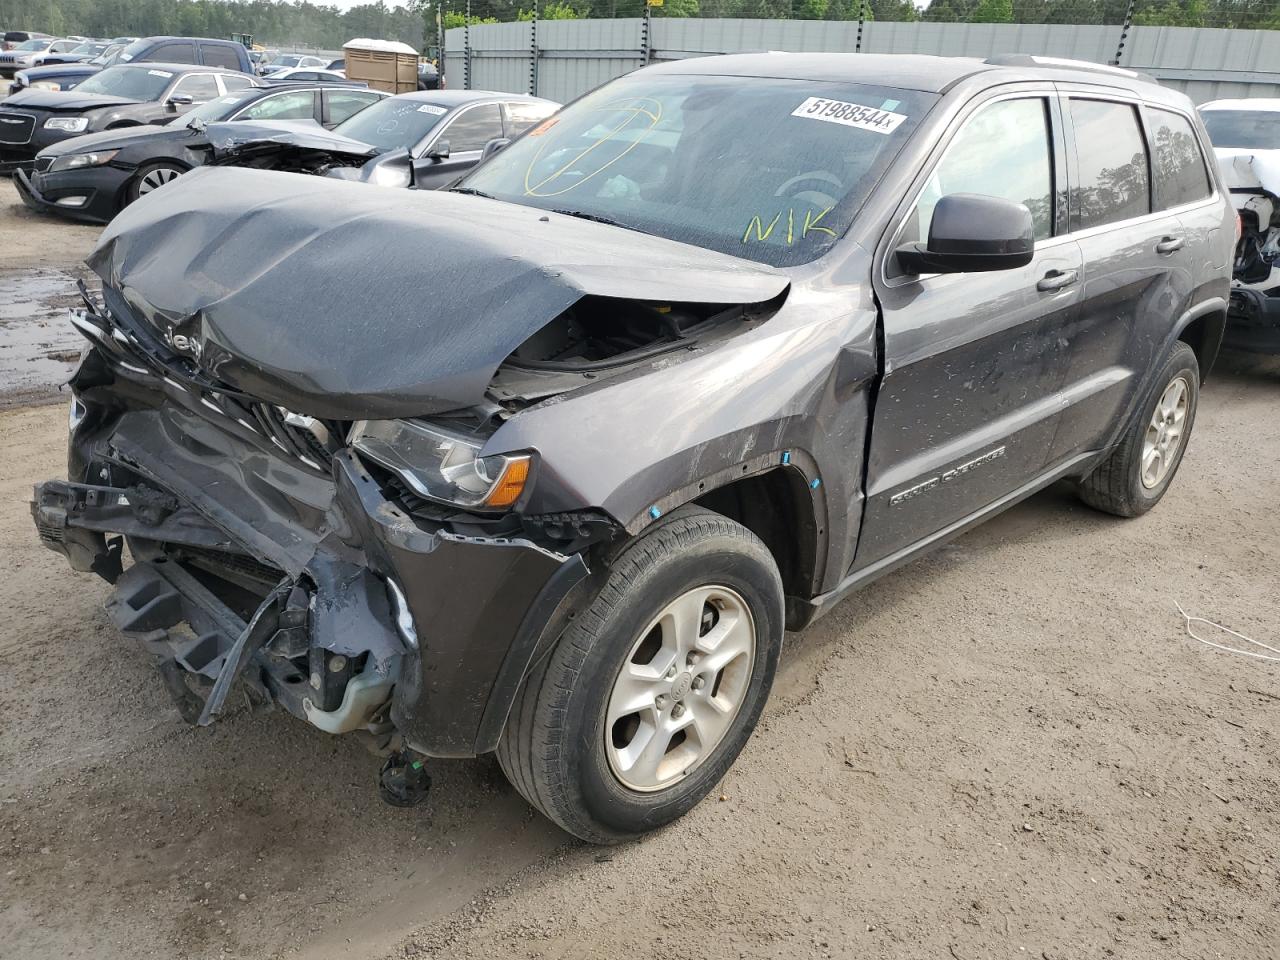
x: 95, y: 176
x: 423, y: 139
x: 428, y: 76
x: 121, y: 96
x: 186, y: 50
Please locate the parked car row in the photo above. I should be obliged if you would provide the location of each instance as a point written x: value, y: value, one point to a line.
x: 89, y: 152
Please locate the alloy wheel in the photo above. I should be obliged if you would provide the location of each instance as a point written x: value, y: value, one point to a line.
x: 1165, y: 433
x: 155, y: 178
x: 680, y: 688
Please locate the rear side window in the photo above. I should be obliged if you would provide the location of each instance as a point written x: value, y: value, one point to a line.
x: 1178, y: 164
x: 216, y: 55
x: 522, y: 116
x: 235, y: 81
x: 1111, y: 157
x: 295, y: 105
x: 172, y: 53
x: 347, y: 103
x: 1001, y: 151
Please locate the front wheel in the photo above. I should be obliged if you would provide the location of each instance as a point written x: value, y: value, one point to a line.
x: 1136, y: 474
x: 651, y: 693
x: 152, y: 177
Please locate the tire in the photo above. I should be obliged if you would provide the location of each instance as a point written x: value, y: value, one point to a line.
x: 150, y: 177
x: 559, y: 748
x: 1118, y: 485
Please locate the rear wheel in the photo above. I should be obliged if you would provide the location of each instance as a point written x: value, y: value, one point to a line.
x: 152, y: 177
x: 649, y: 696
x: 1136, y: 474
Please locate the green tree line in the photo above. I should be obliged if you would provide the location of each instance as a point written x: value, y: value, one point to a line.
x: 302, y: 23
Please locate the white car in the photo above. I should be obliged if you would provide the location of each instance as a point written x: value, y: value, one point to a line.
x: 306, y: 73
x: 25, y: 54
x: 1246, y: 138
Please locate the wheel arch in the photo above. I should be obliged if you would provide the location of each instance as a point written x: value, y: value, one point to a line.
x: 780, y: 507
x: 1202, y: 328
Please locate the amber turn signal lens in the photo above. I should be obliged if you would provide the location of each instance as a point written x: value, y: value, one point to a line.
x: 511, y: 484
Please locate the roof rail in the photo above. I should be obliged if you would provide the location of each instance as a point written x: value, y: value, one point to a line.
x: 1027, y: 60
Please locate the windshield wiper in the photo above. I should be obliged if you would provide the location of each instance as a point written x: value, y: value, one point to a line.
x: 593, y: 217
x: 472, y: 191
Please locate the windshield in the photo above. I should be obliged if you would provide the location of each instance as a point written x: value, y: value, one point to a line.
x: 1254, y: 129
x: 283, y: 63
x: 392, y: 123
x: 136, y: 83
x: 219, y: 109
x: 92, y: 49
x: 767, y: 169
x: 33, y: 45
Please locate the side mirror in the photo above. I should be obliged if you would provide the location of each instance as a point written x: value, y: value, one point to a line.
x: 440, y: 151
x: 492, y: 147
x: 180, y: 100
x: 972, y: 233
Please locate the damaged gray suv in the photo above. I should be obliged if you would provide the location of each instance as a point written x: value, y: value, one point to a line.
x: 545, y: 465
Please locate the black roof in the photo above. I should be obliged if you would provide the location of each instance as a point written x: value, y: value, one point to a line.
x: 912, y: 71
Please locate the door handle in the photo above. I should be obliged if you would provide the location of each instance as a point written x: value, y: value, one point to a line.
x: 1169, y: 245
x: 1057, y: 279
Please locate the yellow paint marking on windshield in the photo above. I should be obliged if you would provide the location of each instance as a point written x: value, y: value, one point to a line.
x: 811, y: 222
x: 762, y: 233
x: 631, y: 113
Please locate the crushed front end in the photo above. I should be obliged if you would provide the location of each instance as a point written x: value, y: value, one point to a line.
x: 1253, y: 321
x: 253, y: 549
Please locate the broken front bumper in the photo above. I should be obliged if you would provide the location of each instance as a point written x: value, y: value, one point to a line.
x: 318, y: 592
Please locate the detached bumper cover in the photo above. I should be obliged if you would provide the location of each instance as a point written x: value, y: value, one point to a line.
x: 479, y: 607
x: 96, y: 188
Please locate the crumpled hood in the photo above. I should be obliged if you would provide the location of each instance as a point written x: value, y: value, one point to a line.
x: 59, y: 101
x: 59, y: 70
x: 348, y: 301
x: 233, y: 137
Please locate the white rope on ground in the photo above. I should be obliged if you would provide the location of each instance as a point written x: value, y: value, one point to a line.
x: 1218, y: 646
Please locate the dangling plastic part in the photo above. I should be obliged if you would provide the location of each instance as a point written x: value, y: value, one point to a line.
x: 403, y: 780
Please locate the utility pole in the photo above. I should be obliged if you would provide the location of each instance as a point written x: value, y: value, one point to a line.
x: 466, y: 49
x: 1124, y: 33
x: 533, y: 52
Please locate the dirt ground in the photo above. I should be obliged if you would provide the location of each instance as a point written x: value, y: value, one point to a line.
x: 1010, y: 748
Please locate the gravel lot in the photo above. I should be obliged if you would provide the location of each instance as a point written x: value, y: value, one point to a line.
x: 1010, y: 748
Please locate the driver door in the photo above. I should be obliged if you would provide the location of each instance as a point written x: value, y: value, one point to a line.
x: 973, y: 361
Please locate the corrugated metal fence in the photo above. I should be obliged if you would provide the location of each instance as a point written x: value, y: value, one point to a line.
x: 573, y: 56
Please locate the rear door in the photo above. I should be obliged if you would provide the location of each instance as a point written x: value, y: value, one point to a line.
x: 972, y: 362
x: 1138, y: 268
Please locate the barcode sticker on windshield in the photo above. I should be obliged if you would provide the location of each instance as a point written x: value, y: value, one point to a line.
x: 432, y: 108
x: 849, y: 114
x: 160, y: 73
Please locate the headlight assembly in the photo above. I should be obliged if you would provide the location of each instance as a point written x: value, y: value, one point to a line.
x: 73, y: 161
x: 69, y: 124
x: 441, y: 465
x: 43, y: 84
